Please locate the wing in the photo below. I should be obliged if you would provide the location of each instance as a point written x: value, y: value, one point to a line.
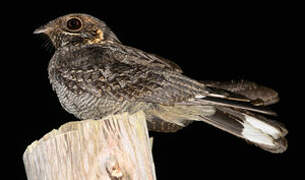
x: 244, y: 91
x: 133, y: 56
x: 122, y: 73
x: 125, y: 74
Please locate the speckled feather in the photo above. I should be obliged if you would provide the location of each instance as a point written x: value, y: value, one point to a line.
x: 103, y: 72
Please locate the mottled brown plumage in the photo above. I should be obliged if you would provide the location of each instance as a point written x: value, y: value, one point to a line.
x: 95, y: 75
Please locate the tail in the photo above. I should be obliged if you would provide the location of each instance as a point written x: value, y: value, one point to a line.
x: 238, y: 109
x: 235, y: 107
x: 264, y: 133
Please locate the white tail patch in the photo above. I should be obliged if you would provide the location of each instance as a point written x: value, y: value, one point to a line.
x: 255, y: 135
x: 263, y: 126
x: 259, y: 131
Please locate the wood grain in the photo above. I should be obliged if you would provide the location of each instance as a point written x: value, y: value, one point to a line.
x: 113, y: 148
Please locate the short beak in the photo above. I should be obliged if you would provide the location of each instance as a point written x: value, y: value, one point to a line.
x: 42, y: 29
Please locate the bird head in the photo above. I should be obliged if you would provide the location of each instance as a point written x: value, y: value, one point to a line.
x: 77, y: 29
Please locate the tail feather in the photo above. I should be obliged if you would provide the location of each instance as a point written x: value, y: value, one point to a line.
x: 235, y: 104
x: 266, y: 134
x: 238, y: 107
x: 235, y: 108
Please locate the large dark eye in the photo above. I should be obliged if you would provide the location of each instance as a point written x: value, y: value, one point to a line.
x: 74, y: 24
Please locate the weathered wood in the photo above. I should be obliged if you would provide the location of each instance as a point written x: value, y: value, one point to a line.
x: 114, y: 148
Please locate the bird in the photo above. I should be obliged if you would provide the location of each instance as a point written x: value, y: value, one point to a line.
x: 95, y: 75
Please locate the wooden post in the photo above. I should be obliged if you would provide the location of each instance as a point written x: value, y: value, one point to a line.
x: 113, y: 148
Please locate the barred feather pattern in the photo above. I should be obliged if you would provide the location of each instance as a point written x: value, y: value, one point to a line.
x: 90, y: 78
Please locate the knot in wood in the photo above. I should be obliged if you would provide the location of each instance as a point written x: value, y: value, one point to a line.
x: 114, y: 170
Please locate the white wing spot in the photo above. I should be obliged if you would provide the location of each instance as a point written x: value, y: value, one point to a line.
x: 199, y: 96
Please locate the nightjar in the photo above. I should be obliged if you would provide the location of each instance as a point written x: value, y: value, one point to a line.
x: 95, y: 75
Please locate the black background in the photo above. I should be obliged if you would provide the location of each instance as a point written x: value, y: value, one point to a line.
x: 256, y: 42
